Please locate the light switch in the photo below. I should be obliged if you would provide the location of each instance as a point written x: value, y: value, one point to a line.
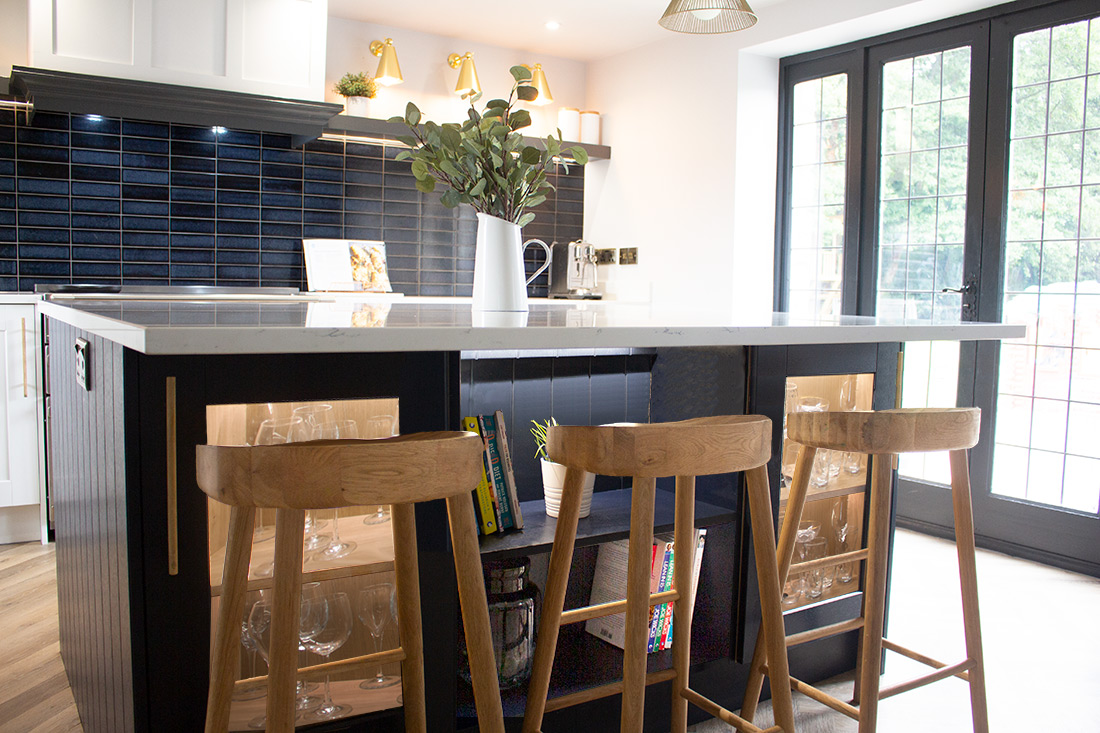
x: 82, y: 355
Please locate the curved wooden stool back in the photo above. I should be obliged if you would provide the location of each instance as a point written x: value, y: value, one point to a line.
x: 339, y: 473
x: 685, y: 450
x: 883, y: 435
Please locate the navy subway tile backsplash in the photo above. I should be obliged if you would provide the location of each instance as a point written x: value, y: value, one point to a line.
x: 131, y: 202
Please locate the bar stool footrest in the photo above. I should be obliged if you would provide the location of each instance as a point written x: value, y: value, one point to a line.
x: 611, y: 688
x: 939, y: 674
x: 716, y: 710
x: 918, y: 657
x: 825, y: 631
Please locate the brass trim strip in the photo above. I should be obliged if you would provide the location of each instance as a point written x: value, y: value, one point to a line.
x: 23, y: 321
x: 170, y: 454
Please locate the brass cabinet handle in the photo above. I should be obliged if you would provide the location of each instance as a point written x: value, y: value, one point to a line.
x: 173, y: 529
x: 24, y: 323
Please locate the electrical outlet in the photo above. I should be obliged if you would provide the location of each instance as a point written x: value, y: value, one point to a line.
x: 628, y: 256
x: 82, y: 358
x: 607, y: 256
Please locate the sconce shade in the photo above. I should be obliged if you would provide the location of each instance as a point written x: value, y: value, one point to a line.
x: 389, y: 71
x: 538, y: 81
x: 708, y: 16
x: 468, y: 82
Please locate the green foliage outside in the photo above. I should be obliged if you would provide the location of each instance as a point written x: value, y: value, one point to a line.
x: 484, y: 161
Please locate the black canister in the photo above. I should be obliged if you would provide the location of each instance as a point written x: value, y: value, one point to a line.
x: 514, y: 604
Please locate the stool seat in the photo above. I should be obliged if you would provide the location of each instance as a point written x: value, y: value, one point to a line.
x: 291, y: 478
x: 883, y: 435
x: 685, y: 449
x: 911, y: 430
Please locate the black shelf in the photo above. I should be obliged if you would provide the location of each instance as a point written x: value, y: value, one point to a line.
x: 370, y: 127
x: 609, y: 521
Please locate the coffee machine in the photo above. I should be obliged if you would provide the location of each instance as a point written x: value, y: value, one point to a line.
x: 573, y: 270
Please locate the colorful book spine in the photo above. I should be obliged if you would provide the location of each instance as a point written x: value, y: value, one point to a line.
x: 700, y: 540
x: 509, y: 471
x: 662, y: 610
x: 483, y: 500
x: 500, y: 489
x: 655, y: 563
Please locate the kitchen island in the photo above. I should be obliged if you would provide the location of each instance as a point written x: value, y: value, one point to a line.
x: 134, y: 532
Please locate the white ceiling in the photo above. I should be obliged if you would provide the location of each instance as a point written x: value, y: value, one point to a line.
x: 590, y: 29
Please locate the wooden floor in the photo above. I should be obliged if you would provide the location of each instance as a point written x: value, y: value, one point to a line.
x: 34, y: 692
x: 1037, y: 621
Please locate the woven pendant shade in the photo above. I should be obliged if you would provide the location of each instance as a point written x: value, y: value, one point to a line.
x: 708, y: 16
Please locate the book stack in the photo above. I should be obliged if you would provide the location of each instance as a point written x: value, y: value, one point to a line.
x: 609, y: 584
x: 496, y: 503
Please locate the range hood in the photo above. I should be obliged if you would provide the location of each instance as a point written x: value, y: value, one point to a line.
x: 62, y: 91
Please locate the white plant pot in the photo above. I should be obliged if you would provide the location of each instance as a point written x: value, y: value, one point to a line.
x: 499, y: 282
x: 553, y: 482
x: 357, y: 106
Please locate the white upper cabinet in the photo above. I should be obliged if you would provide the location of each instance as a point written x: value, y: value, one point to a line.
x: 270, y: 47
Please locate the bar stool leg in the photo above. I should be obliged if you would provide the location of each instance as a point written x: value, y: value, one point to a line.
x: 795, y: 502
x: 639, y: 565
x: 771, y: 607
x: 683, y: 609
x: 968, y: 580
x: 224, y: 667
x: 561, y: 558
x: 475, y: 614
x: 286, y: 608
x: 874, y: 593
x: 407, y: 576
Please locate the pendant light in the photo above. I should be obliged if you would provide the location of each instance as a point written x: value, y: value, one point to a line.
x: 468, y: 82
x: 389, y: 71
x: 708, y: 16
x: 538, y: 81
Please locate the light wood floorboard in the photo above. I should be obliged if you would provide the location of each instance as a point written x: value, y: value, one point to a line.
x: 1035, y: 620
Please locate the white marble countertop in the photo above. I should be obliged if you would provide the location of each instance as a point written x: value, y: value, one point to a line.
x: 312, y: 324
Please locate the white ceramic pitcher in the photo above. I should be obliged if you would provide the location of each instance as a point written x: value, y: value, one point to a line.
x: 499, y: 283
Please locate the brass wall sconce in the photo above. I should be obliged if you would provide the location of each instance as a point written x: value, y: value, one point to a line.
x: 538, y: 81
x: 389, y: 71
x: 708, y: 16
x: 468, y: 82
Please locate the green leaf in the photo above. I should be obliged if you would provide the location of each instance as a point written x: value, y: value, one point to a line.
x: 403, y: 155
x: 520, y: 73
x: 478, y: 189
x: 579, y: 154
x: 527, y: 93
x: 451, y: 137
x: 412, y: 115
x: 533, y: 201
x: 525, y: 219
x: 450, y: 199
x: 496, y: 104
x: 420, y: 169
x: 450, y: 168
x: 519, y: 119
x: 530, y: 155
x: 409, y: 140
x: 425, y: 185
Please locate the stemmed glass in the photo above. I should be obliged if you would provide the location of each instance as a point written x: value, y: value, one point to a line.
x: 313, y: 617
x: 259, y: 689
x: 262, y: 531
x: 259, y: 628
x: 336, y: 430
x: 844, y: 572
x: 374, y: 608
x: 327, y: 640
x: 276, y: 431
x: 314, y: 415
x: 850, y: 461
x: 380, y: 426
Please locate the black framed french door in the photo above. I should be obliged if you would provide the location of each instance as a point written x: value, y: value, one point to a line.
x: 1036, y: 470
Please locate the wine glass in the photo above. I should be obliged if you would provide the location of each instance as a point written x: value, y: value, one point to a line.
x: 844, y: 570
x: 380, y: 426
x: 274, y: 431
x: 374, y: 608
x: 336, y: 430
x: 314, y: 415
x: 258, y: 689
x: 259, y: 629
x: 328, y: 639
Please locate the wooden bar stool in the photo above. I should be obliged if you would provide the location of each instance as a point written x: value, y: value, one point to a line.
x: 686, y: 449
x: 882, y: 435
x: 329, y: 474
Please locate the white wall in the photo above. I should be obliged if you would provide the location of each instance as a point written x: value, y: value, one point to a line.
x: 13, y: 35
x: 692, y: 125
x: 430, y: 82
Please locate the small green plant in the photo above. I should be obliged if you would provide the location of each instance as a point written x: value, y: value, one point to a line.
x: 484, y: 160
x: 539, y: 431
x: 356, y: 85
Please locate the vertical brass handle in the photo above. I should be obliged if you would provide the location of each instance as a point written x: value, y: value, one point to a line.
x: 24, y: 322
x: 170, y: 454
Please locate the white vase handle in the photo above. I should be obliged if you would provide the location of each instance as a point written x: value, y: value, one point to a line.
x: 546, y: 264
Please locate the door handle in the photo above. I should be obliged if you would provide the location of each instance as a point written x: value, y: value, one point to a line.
x: 23, y: 321
x: 170, y: 448
x: 968, y: 288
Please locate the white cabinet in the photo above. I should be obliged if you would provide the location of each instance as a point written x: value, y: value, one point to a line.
x: 21, y: 511
x: 269, y: 47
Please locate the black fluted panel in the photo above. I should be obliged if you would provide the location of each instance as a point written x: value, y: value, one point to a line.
x: 89, y: 499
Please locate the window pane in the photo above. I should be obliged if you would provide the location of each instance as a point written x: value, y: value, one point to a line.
x: 925, y: 128
x: 1048, y: 404
x: 818, y: 190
